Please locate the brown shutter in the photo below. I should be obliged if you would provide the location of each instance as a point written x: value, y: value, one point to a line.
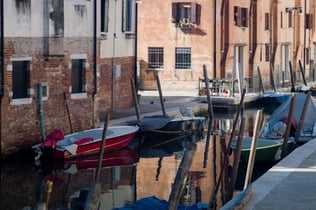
x: 244, y: 17
x: 174, y: 12
x: 236, y: 15
x: 308, y: 21
x: 193, y: 12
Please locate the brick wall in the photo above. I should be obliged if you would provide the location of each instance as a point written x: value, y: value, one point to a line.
x: 20, y: 124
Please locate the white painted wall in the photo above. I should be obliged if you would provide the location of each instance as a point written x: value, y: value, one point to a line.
x: 122, y: 47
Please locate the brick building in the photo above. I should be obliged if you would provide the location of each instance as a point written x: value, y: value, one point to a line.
x: 53, y: 51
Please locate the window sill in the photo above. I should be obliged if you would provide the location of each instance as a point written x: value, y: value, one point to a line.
x: 78, y: 95
x: 155, y: 69
x: 184, y: 69
x: 21, y: 101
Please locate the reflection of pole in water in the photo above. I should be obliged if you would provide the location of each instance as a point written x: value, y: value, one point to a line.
x: 158, y: 168
x: 214, y: 167
x: 207, y: 144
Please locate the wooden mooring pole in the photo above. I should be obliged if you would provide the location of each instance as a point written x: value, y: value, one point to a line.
x: 135, y: 99
x: 160, y: 95
x: 288, y: 126
x: 93, y: 198
x: 252, y: 155
x: 216, y: 188
x: 236, y: 161
x: 208, y: 95
x: 302, y: 118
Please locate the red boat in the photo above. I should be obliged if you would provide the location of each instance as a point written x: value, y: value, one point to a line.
x: 88, y: 142
x: 121, y: 157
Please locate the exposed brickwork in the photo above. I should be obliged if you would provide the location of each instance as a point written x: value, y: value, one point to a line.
x: 20, y: 124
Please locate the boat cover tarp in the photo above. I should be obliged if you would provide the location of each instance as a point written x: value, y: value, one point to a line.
x: 154, y: 203
x: 283, y: 111
x: 148, y: 123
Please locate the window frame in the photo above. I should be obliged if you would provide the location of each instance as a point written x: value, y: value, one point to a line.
x: 241, y: 16
x: 104, y: 27
x: 267, y: 21
x: 128, y: 16
x: 183, y: 59
x: 81, y: 89
x: 28, y: 92
x: 186, y: 14
x: 155, y: 57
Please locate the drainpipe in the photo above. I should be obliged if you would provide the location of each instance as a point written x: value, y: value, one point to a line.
x: 214, y: 40
x: 136, y: 28
x: 304, y: 52
x: 1, y: 72
x: 2, y: 52
x: 94, y: 58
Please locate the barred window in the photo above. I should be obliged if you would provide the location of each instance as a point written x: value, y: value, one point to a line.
x: 155, y: 57
x: 183, y: 58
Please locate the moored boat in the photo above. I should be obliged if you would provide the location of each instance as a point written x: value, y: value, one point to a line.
x: 267, y: 150
x: 88, y: 142
x: 120, y: 157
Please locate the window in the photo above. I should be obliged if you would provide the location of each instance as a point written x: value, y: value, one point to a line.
x: 104, y: 15
x: 186, y: 14
x: 281, y: 19
x: 78, y: 76
x: 267, y: 55
x: 20, y: 79
x: 290, y: 24
x: 307, y: 55
x: 183, y: 58
x: 266, y: 21
x: 155, y: 57
x: 309, y: 21
x: 241, y: 16
x: 128, y: 24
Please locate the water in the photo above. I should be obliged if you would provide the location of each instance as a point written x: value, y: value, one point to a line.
x: 149, y: 170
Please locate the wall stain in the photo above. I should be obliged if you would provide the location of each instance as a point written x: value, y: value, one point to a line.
x: 23, y: 6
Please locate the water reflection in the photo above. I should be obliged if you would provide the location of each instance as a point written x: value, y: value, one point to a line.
x: 130, y: 174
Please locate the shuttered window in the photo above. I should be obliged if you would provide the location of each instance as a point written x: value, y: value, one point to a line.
x: 241, y: 16
x: 187, y: 13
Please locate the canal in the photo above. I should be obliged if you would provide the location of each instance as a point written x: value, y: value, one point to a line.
x: 133, y: 173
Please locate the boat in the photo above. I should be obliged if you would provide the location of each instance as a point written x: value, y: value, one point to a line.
x: 308, y: 129
x: 267, y: 150
x: 151, y: 122
x: 87, y: 142
x: 306, y: 89
x: 122, y: 157
x: 223, y: 95
x: 165, y: 124
x: 276, y: 98
x: 271, y: 136
x: 182, y: 124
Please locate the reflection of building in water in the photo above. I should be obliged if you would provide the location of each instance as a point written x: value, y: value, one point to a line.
x: 117, y: 187
x: 222, y: 126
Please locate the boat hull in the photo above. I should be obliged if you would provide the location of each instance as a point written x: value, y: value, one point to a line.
x: 267, y: 150
x: 113, y: 142
x: 115, y: 158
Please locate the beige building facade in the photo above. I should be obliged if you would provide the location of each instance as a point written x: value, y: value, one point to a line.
x: 176, y: 38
